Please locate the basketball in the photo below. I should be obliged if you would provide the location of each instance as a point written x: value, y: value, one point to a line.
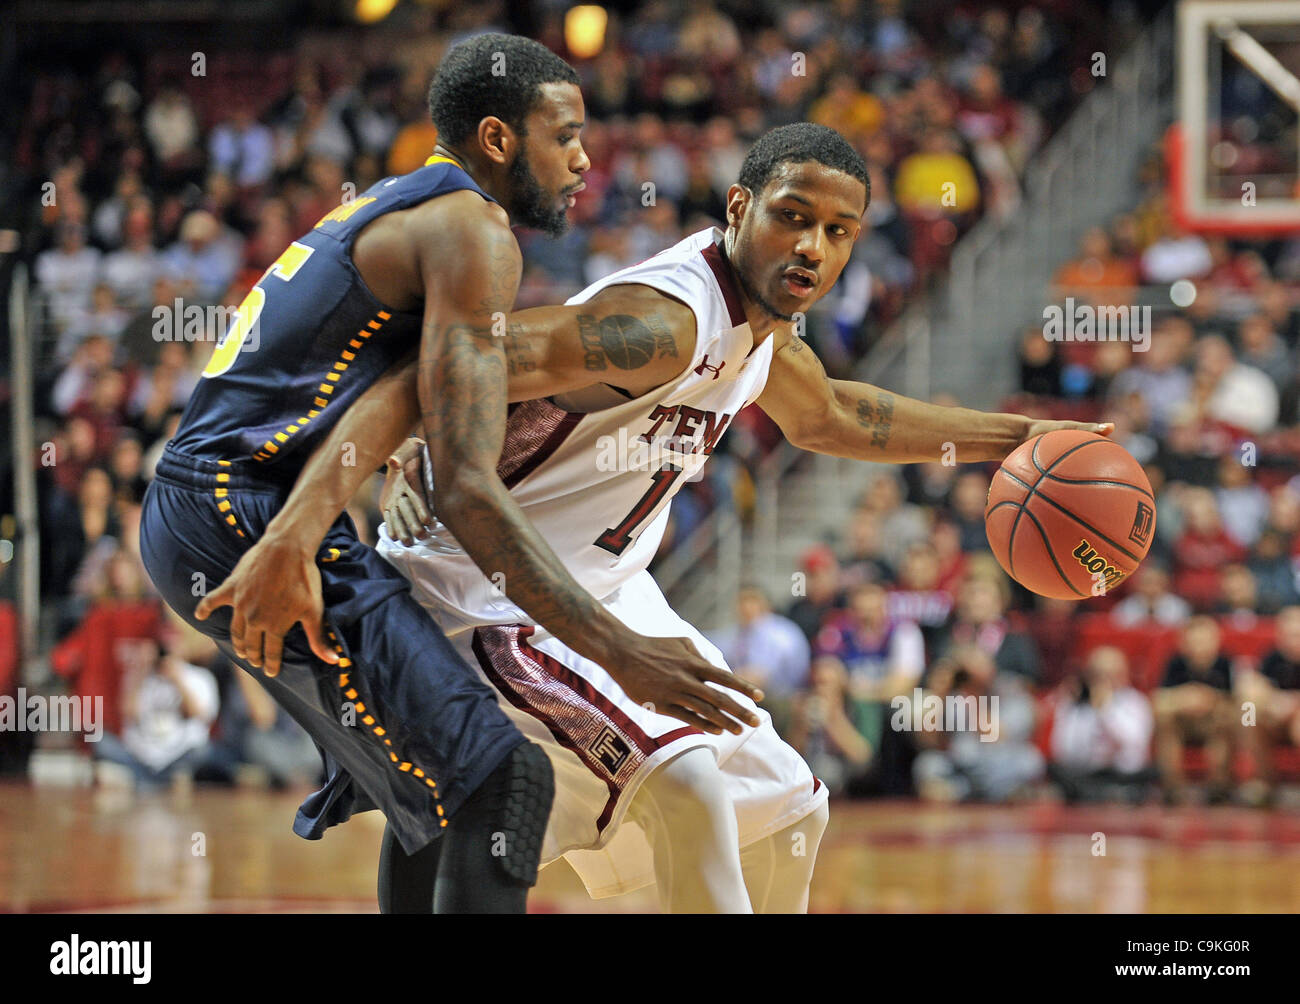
x: 1070, y: 515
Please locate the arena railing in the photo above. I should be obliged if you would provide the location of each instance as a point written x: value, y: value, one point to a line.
x: 27, y: 536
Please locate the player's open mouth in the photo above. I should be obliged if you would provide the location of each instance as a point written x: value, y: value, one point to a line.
x: 570, y: 197
x: 798, y: 281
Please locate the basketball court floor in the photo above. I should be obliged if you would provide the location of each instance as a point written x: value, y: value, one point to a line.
x: 231, y: 851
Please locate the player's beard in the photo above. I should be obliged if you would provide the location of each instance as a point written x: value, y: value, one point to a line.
x: 750, y: 289
x: 533, y: 205
x: 752, y: 292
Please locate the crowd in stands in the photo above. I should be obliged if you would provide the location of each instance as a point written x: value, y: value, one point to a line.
x: 154, y: 195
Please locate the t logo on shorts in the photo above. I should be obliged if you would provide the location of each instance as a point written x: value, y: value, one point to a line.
x: 610, y: 750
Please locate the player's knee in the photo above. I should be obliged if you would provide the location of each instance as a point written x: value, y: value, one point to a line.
x: 794, y: 849
x: 691, y: 786
x: 796, y: 845
x: 516, y: 803
x: 813, y: 825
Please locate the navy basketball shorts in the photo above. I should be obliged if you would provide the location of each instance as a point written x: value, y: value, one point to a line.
x: 403, y: 724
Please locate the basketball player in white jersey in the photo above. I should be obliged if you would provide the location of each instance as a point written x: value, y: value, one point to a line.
x: 626, y: 391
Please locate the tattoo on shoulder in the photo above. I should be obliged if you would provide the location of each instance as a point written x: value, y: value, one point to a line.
x: 503, y: 280
x: 463, y: 388
x: 878, y: 418
x: 624, y: 341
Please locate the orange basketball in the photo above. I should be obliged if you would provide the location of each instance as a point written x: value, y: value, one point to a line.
x: 1070, y: 515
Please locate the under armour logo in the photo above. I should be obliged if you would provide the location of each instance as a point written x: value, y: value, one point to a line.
x: 704, y: 365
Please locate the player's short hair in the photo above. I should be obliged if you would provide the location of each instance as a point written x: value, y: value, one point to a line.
x: 797, y: 143
x: 492, y: 74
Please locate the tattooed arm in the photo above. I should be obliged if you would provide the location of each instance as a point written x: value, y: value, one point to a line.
x: 628, y: 336
x: 844, y: 418
x: 462, y: 382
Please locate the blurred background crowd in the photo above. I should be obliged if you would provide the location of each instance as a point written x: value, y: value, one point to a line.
x: 144, y: 188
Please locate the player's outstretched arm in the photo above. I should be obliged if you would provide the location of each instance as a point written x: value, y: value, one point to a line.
x: 844, y: 418
x: 463, y: 389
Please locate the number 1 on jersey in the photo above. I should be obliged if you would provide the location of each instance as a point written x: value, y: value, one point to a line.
x: 616, y: 539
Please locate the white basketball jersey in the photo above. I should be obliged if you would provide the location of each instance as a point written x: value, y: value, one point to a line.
x: 598, y: 484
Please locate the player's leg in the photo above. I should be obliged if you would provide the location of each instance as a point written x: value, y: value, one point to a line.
x: 689, y: 820
x: 491, y: 850
x: 407, y: 726
x: 492, y: 844
x: 778, y: 869
x: 406, y: 881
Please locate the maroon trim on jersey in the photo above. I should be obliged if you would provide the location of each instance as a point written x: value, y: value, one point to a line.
x: 571, y: 712
x: 508, y: 691
x: 817, y: 783
x: 726, y: 276
x: 534, y: 431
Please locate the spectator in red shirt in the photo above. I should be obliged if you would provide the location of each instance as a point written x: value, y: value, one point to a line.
x: 985, y: 113
x: 95, y: 656
x: 946, y: 538
x: 1054, y: 630
x: 1202, y: 550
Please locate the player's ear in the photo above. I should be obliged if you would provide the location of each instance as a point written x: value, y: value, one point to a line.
x: 738, y: 198
x: 497, y: 140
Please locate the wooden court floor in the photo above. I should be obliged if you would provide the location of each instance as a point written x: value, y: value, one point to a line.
x: 220, y: 850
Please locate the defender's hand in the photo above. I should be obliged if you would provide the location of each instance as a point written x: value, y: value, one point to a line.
x: 670, y: 675
x: 406, y: 510
x: 275, y: 586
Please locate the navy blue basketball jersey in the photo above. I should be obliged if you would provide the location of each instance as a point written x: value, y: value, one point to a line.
x: 309, y: 338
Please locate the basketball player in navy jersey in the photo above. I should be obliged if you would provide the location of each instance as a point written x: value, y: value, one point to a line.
x: 422, y: 264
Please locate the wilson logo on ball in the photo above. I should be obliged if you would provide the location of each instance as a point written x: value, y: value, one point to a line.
x: 1094, y: 563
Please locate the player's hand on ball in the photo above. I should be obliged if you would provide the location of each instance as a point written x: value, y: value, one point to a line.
x: 406, y: 512
x: 671, y: 675
x: 1042, y: 427
x: 275, y: 586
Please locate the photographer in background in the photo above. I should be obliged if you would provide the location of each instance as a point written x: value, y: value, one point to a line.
x: 168, y: 707
x: 1101, y: 733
